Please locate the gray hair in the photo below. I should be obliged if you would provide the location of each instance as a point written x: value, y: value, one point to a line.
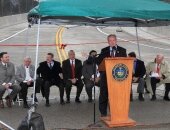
x: 27, y: 58
x: 160, y: 56
x: 112, y: 35
x: 70, y: 51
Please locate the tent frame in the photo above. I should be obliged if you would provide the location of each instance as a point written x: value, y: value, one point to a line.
x: 36, y: 65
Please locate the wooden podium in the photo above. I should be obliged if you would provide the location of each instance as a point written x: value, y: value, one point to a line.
x: 119, y: 77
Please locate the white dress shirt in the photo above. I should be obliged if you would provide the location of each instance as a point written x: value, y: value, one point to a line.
x: 114, y: 51
x: 51, y: 64
x: 4, y: 64
x: 72, y: 61
x: 28, y: 77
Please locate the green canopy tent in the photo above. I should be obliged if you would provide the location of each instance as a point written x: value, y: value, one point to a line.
x: 100, y: 13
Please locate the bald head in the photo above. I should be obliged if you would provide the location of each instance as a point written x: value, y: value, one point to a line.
x: 159, y: 58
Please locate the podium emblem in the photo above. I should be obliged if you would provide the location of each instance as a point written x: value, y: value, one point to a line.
x: 120, y: 72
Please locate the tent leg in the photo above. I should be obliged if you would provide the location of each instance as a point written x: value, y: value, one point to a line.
x: 36, y: 59
x: 137, y: 39
x: 26, y: 43
x: 32, y: 108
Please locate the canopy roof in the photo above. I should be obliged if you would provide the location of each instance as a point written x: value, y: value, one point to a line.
x: 102, y: 11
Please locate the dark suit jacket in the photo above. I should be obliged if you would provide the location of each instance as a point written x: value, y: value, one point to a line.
x: 66, y: 67
x: 49, y: 74
x: 140, y: 69
x: 87, y: 70
x: 105, y: 52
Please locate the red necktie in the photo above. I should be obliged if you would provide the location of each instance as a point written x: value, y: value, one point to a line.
x: 158, y: 68
x: 72, y: 70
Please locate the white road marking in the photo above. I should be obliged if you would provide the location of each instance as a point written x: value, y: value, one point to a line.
x: 133, y: 42
x: 13, y: 35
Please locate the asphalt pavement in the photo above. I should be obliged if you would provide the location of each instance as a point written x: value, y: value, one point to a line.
x: 148, y: 115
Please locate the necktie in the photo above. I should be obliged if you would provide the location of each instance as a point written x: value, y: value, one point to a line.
x: 113, y: 51
x: 5, y: 65
x: 158, y: 68
x: 50, y: 65
x: 72, y: 70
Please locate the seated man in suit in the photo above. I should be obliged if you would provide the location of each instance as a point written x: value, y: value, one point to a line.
x: 51, y: 73
x: 139, y: 71
x: 113, y: 50
x: 88, y: 74
x: 25, y: 78
x: 7, y: 80
x: 72, y: 73
x: 158, y: 72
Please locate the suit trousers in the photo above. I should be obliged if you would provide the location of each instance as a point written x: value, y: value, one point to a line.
x: 24, y: 89
x: 47, y: 84
x: 141, y: 85
x: 103, y: 98
x: 154, y: 81
x: 68, y: 85
x: 89, y: 86
x: 15, y: 90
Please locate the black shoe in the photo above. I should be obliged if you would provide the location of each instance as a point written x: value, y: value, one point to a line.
x: 90, y: 100
x: 153, y: 98
x: 68, y: 101
x: 47, y: 103
x: 62, y: 102
x: 166, y: 98
x: 77, y: 100
x: 25, y: 105
x: 141, y: 97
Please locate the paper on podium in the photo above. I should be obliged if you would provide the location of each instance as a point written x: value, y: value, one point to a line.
x: 154, y: 75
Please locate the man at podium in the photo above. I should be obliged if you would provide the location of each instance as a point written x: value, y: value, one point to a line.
x: 113, y: 50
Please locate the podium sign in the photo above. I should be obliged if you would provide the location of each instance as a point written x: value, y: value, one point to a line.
x: 119, y: 77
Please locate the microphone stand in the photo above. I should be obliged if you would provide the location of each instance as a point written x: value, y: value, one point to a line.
x: 94, y: 92
x: 94, y: 63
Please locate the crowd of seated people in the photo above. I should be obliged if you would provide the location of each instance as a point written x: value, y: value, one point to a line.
x: 73, y: 72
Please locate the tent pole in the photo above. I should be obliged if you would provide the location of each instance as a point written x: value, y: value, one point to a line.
x: 32, y: 108
x: 36, y: 59
x: 137, y: 39
x: 26, y: 43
